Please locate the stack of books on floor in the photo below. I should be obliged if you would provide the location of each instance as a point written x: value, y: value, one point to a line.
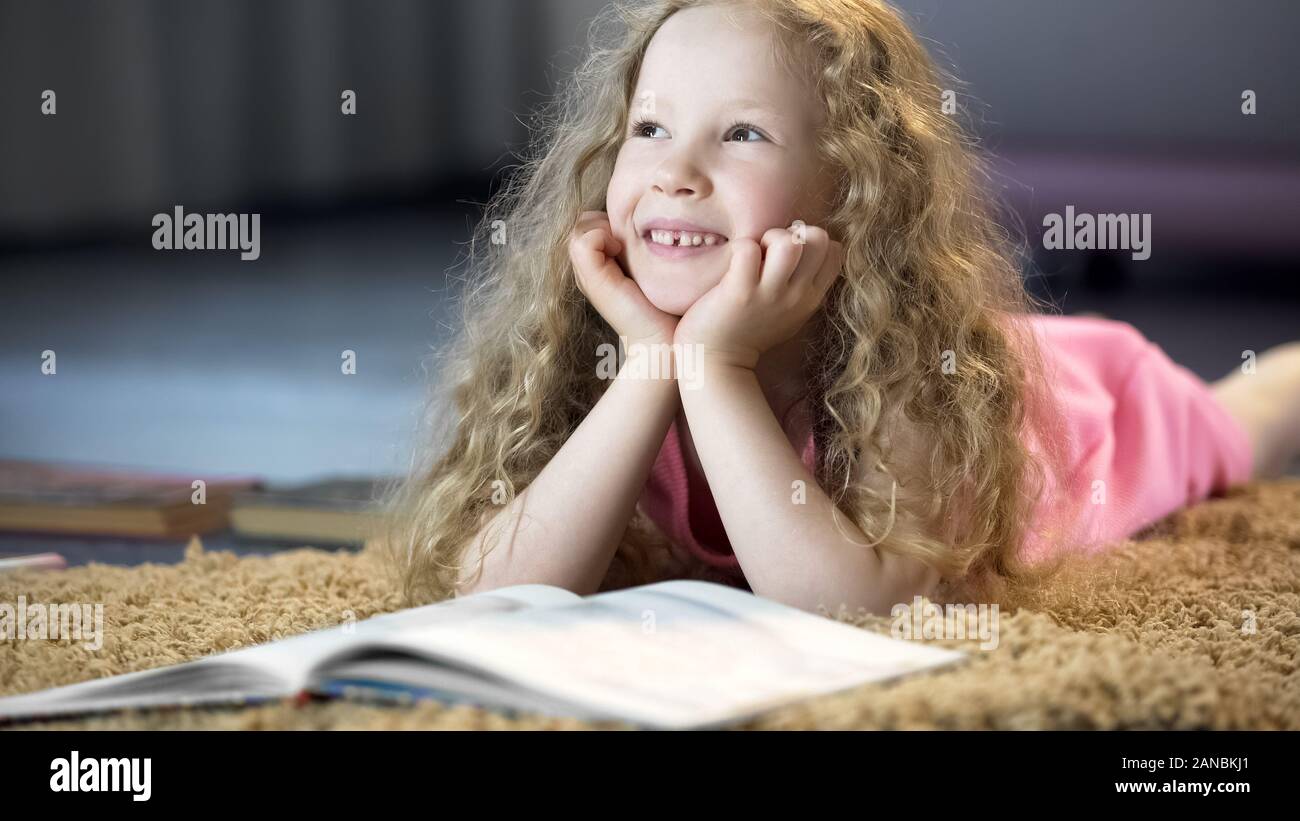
x: 67, y: 498
x: 341, y: 511
x: 115, y: 501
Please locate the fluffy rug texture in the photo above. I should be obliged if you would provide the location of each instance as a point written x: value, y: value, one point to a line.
x: 1193, y: 624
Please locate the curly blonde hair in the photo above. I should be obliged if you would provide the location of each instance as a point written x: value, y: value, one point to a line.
x: 926, y: 319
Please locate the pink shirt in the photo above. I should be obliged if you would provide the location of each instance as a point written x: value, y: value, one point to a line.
x: 1144, y: 437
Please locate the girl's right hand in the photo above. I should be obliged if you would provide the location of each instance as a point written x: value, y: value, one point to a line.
x: 594, y: 249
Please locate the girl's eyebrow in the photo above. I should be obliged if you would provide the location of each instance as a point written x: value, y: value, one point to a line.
x: 756, y: 105
x: 744, y: 104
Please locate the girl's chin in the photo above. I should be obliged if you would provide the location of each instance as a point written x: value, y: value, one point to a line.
x: 672, y: 298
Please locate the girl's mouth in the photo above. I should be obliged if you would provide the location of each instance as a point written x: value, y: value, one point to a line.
x: 681, y: 244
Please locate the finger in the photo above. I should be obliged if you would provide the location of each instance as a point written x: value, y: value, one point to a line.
x: 589, y: 221
x: 588, y: 254
x: 816, y: 243
x: 780, y: 257
x: 585, y: 223
x: 599, y: 242
x: 745, y: 268
x: 586, y: 244
x: 599, y: 220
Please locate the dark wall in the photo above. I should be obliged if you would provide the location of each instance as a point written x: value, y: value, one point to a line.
x: 223, y: 102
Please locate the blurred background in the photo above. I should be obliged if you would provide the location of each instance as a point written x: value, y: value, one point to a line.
x: 200, y: 362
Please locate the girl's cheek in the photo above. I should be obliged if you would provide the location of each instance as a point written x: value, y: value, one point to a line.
x: 618, y: 224
x: 761, y: 200
x: 616, y: 207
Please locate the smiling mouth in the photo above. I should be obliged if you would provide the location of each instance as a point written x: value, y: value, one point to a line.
x: 682, y: 239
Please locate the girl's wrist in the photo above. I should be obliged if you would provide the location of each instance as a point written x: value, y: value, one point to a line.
x: 648, y: 360
x: 708, y: 375
x: 732, y: 357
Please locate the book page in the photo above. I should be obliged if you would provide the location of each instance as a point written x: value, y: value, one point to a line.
x: 674, y: 654
x: 293, y: 657
x: 277, y: 668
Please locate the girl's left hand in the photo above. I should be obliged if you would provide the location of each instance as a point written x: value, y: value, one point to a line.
x: 764, y: 298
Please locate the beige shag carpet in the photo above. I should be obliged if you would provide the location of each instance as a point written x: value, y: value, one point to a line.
x: 1195, y: 624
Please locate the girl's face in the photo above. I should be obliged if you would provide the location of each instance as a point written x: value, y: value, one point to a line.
x: 720, y: 137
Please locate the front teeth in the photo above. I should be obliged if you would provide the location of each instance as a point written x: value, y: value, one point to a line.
x: 662, y: 237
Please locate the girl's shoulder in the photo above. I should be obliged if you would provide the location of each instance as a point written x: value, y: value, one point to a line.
x: 1085, y: 352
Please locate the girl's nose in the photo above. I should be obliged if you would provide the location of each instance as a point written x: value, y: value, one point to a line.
x: 682, y: 176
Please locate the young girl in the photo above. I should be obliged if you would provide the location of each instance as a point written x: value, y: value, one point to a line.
x: 768, y: 197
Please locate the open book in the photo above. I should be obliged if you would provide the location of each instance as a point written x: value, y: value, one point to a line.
x: 671, y: 655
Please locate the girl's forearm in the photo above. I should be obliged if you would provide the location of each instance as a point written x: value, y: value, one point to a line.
x: 565, y: 527
x: 789, y: 546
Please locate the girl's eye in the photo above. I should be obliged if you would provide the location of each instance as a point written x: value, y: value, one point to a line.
x: 639, y: 128
x: 741, y: 128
